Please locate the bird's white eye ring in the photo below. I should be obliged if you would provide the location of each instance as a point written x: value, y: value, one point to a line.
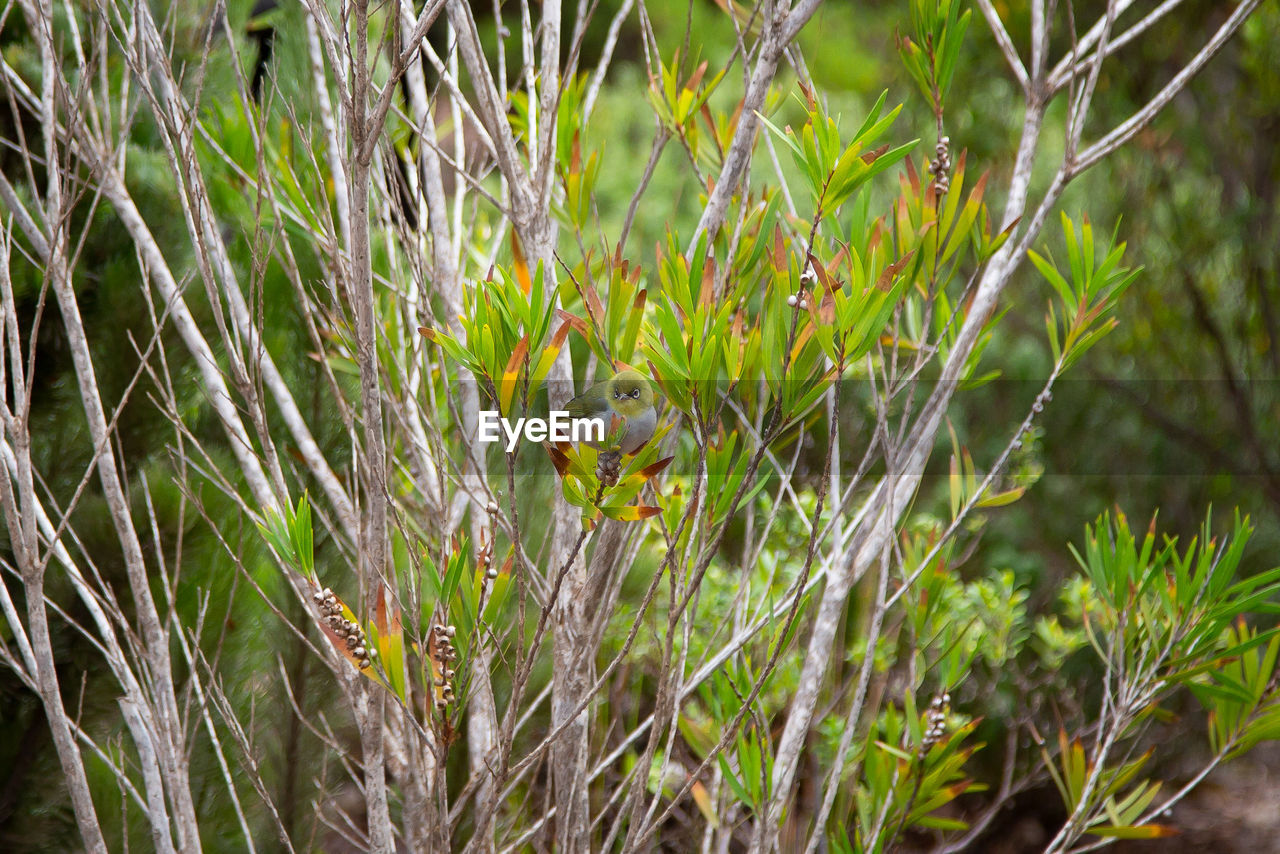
x: 635, y: 393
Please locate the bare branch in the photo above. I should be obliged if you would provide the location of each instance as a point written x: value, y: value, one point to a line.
x: 778, y: 34
x: 1130, y: 127
x: 1006, y: 44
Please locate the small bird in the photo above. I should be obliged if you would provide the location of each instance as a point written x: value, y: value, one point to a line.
x: 627, y: 397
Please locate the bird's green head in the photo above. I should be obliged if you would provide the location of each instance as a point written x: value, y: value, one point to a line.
x: 629, y: 393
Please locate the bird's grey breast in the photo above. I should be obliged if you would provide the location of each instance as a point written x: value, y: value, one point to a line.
x: 639, y: 429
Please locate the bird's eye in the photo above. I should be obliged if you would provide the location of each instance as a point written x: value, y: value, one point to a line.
x: 635, y: 393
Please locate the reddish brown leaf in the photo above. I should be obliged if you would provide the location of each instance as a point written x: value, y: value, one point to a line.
x: 711, y: 128
x: 380, y: 612
x: 695, y: 79
x: 570, y: 320
x: 635, y: 513
x: 734, y: 119
x: 876, y: 236
x: 886, y: 278
x: 809, y: 98
x: 654, y: 468
x: 517, y: 355
x: 706, y: 294
x: 820, y: 272
x: 595, y: 309
x: 558, y: 459
x: 912, y: 177
x: 511, y: 375
x: 838, y: 260
x: 975, y: 195
x: 872, y: 156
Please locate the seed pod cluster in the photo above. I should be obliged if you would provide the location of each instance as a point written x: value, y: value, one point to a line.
x: 485, y: 561
x: 441, y: 646
x: 936, y: 723
x: 609, y: 467
x: 940, y: 167
x: 347, y: 631
x: 808, y: 279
